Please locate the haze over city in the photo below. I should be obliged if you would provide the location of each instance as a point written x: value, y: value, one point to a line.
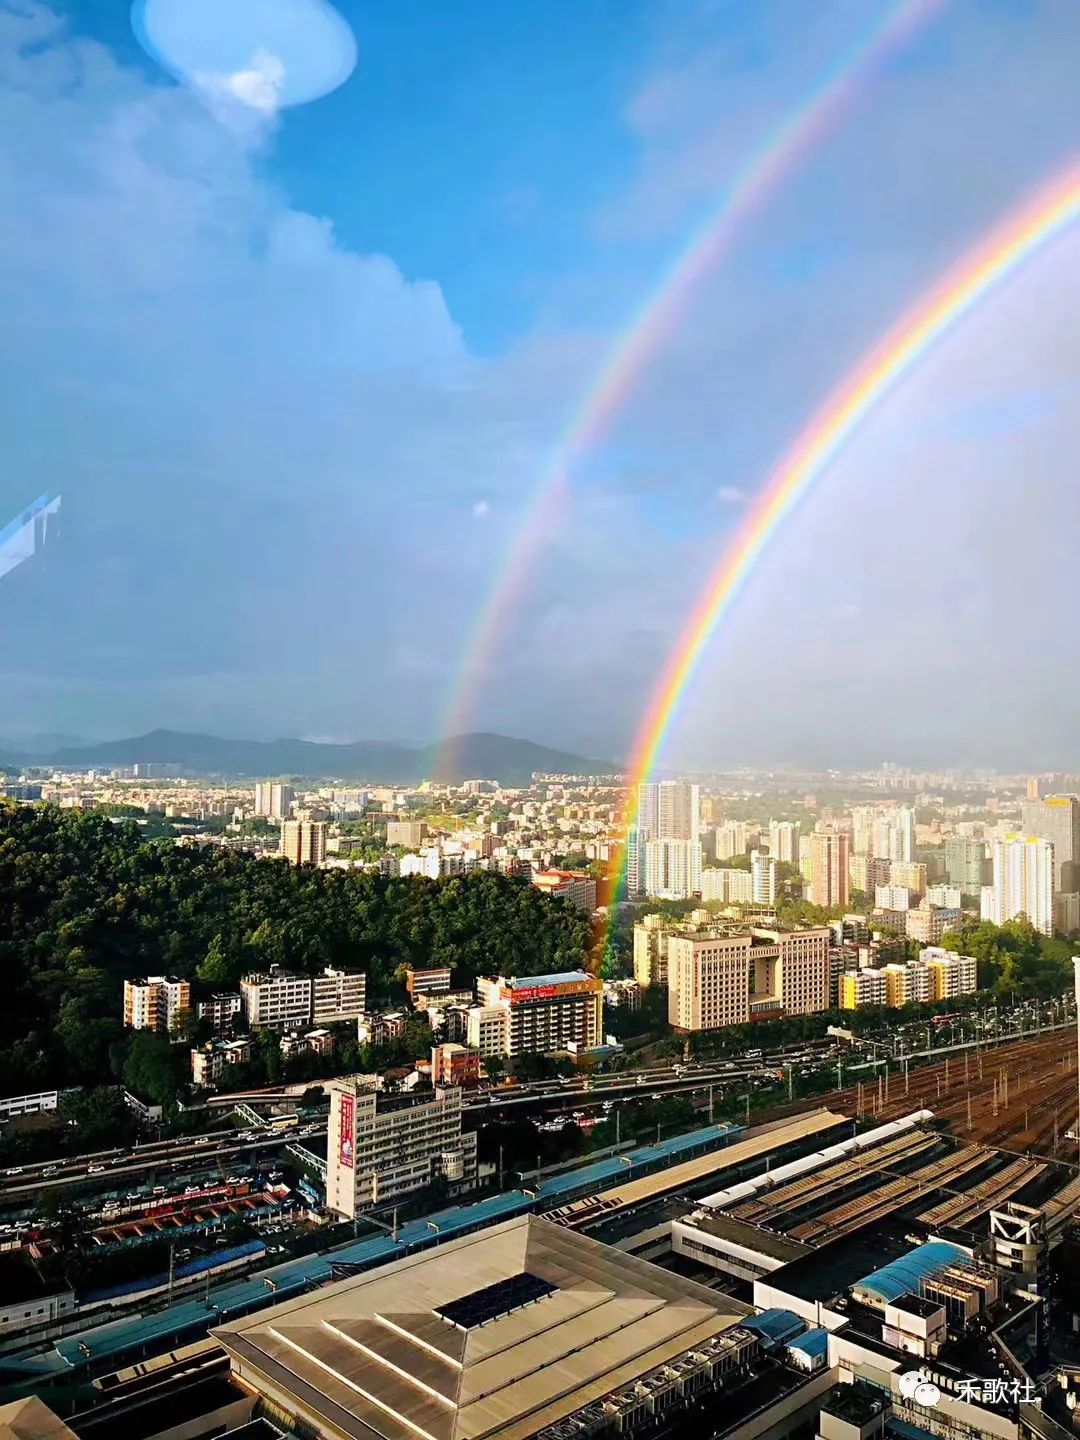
x: 310, y: 362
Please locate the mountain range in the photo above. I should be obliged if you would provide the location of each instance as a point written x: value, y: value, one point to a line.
x: 477, y: 756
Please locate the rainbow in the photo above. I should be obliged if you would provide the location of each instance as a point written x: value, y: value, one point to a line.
x: 991, y: 262
x: 755, y: 183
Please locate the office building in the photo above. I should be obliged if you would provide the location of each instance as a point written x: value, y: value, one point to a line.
x: 1057, y: 819
x: 726, y: 976
x: 220, y: 1010
x: 830, y: 868
x: 575, y: 886
x: 303, y: 842
x: 1023, y: 883
x: 672, y: 868
x: 650, y: 949
x: 410, y: 833
x: 524, y: 1329
x: 378, y: 1153
x: 784, y: 841
x: 965, y: 864
x: 762, y: 878
x: 153, y: 1003
x: 546, y: 1012
x: 728, y: 887
x: 669, y: 810
x: 278, y: 999
x: 731, y: 839
x: 273, y: 800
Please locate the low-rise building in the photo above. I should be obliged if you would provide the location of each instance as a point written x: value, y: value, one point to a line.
x: 280, y: 1000
x: 622, y: 994
x: 434, y: 980
x: 220, y: 1011
x: 453, y: 1064
x: 576, y: 886
x: 208, y: 1061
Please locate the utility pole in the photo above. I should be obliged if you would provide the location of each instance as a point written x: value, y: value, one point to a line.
x: 710, y: 1104
x: 969, y: 1110
x: 790, y: 1071
x: 172, y: 1269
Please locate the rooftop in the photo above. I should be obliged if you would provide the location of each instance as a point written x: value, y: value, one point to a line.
x: 496, y: 1334
x: 905, y: 1273
x: 536, y: 982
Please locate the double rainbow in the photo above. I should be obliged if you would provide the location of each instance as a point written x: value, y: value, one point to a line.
x: 758, y: 179
x: 987, y: 266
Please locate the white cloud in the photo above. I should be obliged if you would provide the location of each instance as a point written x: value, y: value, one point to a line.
x: 259, y: 86
x: 481, y: 510
x: 731, y: 494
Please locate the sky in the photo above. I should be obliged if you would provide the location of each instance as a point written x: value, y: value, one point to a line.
x: 298, y: 361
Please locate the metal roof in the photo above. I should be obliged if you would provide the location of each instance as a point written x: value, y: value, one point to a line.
x: 908, y: 1272
x: 778, y: 1326
x: 534, y: 982
x: 813, y: 1343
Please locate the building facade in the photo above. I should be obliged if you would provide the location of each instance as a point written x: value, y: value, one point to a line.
x: 546, y: 1012
x: 151, y: 1004
x: 273, y: 800
x: 377, y: 1155
x: 280, y: 1000
x: 303, y: 842
x: 1023, y: 883
x: 576, y: 886
x: 727, y: 886
x: 830, y: 868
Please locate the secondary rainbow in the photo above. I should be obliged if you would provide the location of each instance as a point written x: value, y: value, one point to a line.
x: 757, y: 180
x: 992, y: 261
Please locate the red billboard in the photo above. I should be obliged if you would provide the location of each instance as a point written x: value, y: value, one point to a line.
x: 347, y: 1132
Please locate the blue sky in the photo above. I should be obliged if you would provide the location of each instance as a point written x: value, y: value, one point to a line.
x: 298, y: 372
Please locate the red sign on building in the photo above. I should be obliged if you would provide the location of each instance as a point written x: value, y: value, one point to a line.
x: 347, y: 1133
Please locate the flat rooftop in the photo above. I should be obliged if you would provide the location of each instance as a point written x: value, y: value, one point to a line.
x: 498, y: 1334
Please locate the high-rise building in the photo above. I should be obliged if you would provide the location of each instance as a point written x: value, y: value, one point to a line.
x: 375, y: 1155
x: 784, y: 841
x: 806, y: 858
x: 862, y: 830
x: 893, y: 835
x: 273, y: 800
x: 546, y: 1012
x: 830, y: 867
x: 911, y: 874
x: 728, y: 886
x: 1034, y: 787
x: 762, y: 878
x: 1057, y: 819
x: 672, y: 868
x: 892, y: 897
x: 950, y: 974
x: 867, y: 873
x: 1023, y: 881
x: 636, y: 840
x: 965, y: 864
x: 670, y: 810
x: 650, y: 949
x: 303, y: 842
x: 151, y: 1004
x: 730, y: 839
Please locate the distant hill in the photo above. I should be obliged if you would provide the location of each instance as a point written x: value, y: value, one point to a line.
x: 490, y: 757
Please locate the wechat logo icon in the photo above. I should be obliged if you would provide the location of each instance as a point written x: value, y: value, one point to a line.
x: 916, y: 1385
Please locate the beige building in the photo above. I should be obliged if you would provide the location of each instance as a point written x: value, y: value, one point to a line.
x: 727, y: 886
x: 911, y: 874
x: 725, y: 976
x: 278, y: 999
x: 375, y: 1155
x: 488, y: 1030
x: 650, y: 950
x: 303, y: 842
x: 868, y: 872
x: 152, y: 1003
x: 273, y: 800
x: 577, y: 886
x: 830, y: 868
x: 928, y: 923
x: 545, y: 1012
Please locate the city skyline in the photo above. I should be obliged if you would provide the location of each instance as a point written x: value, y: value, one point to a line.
x: 409, y: 382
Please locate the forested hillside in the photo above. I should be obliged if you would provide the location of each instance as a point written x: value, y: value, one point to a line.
x: 86, y: 902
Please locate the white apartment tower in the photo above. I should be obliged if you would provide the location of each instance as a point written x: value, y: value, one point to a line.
x: 762, y: 878
x: 784, y: 841
x: 1023, y: 881
x: 273, y: 800
x: 672, y: 868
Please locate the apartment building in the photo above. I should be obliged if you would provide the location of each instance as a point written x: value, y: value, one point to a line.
x: 727, y: 886
x: 860, y: 988
x: 911, y: 874
x: 937, y: 975
x: 208, y: 1061
x: 868, y: 872
x: 379, y: 1152
x: 830, y: 868
x: 927, y: 923
x: 1023, y: 883
x: 574, y: 885
x: 950, y: 974
x: 274, y: 801
x: 303, y: 842
x: 220, y: 1010
x: 410, y: 833
x: 650, y: 950
x: 487, y: 1030
x: 434, y: 980
x: 453, y: 1064
x: 280, y: 1000
x: 151, y: 1003
x: 546, y: 1012
x: 762, y: 878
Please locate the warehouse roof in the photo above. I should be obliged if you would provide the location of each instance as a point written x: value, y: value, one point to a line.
x: 497, y: 1334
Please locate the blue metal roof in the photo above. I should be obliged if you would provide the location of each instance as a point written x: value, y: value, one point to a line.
x: 776, y: 1326
x: 535, y: 982
x: 905, y: 1274
x: 813, y: 1343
